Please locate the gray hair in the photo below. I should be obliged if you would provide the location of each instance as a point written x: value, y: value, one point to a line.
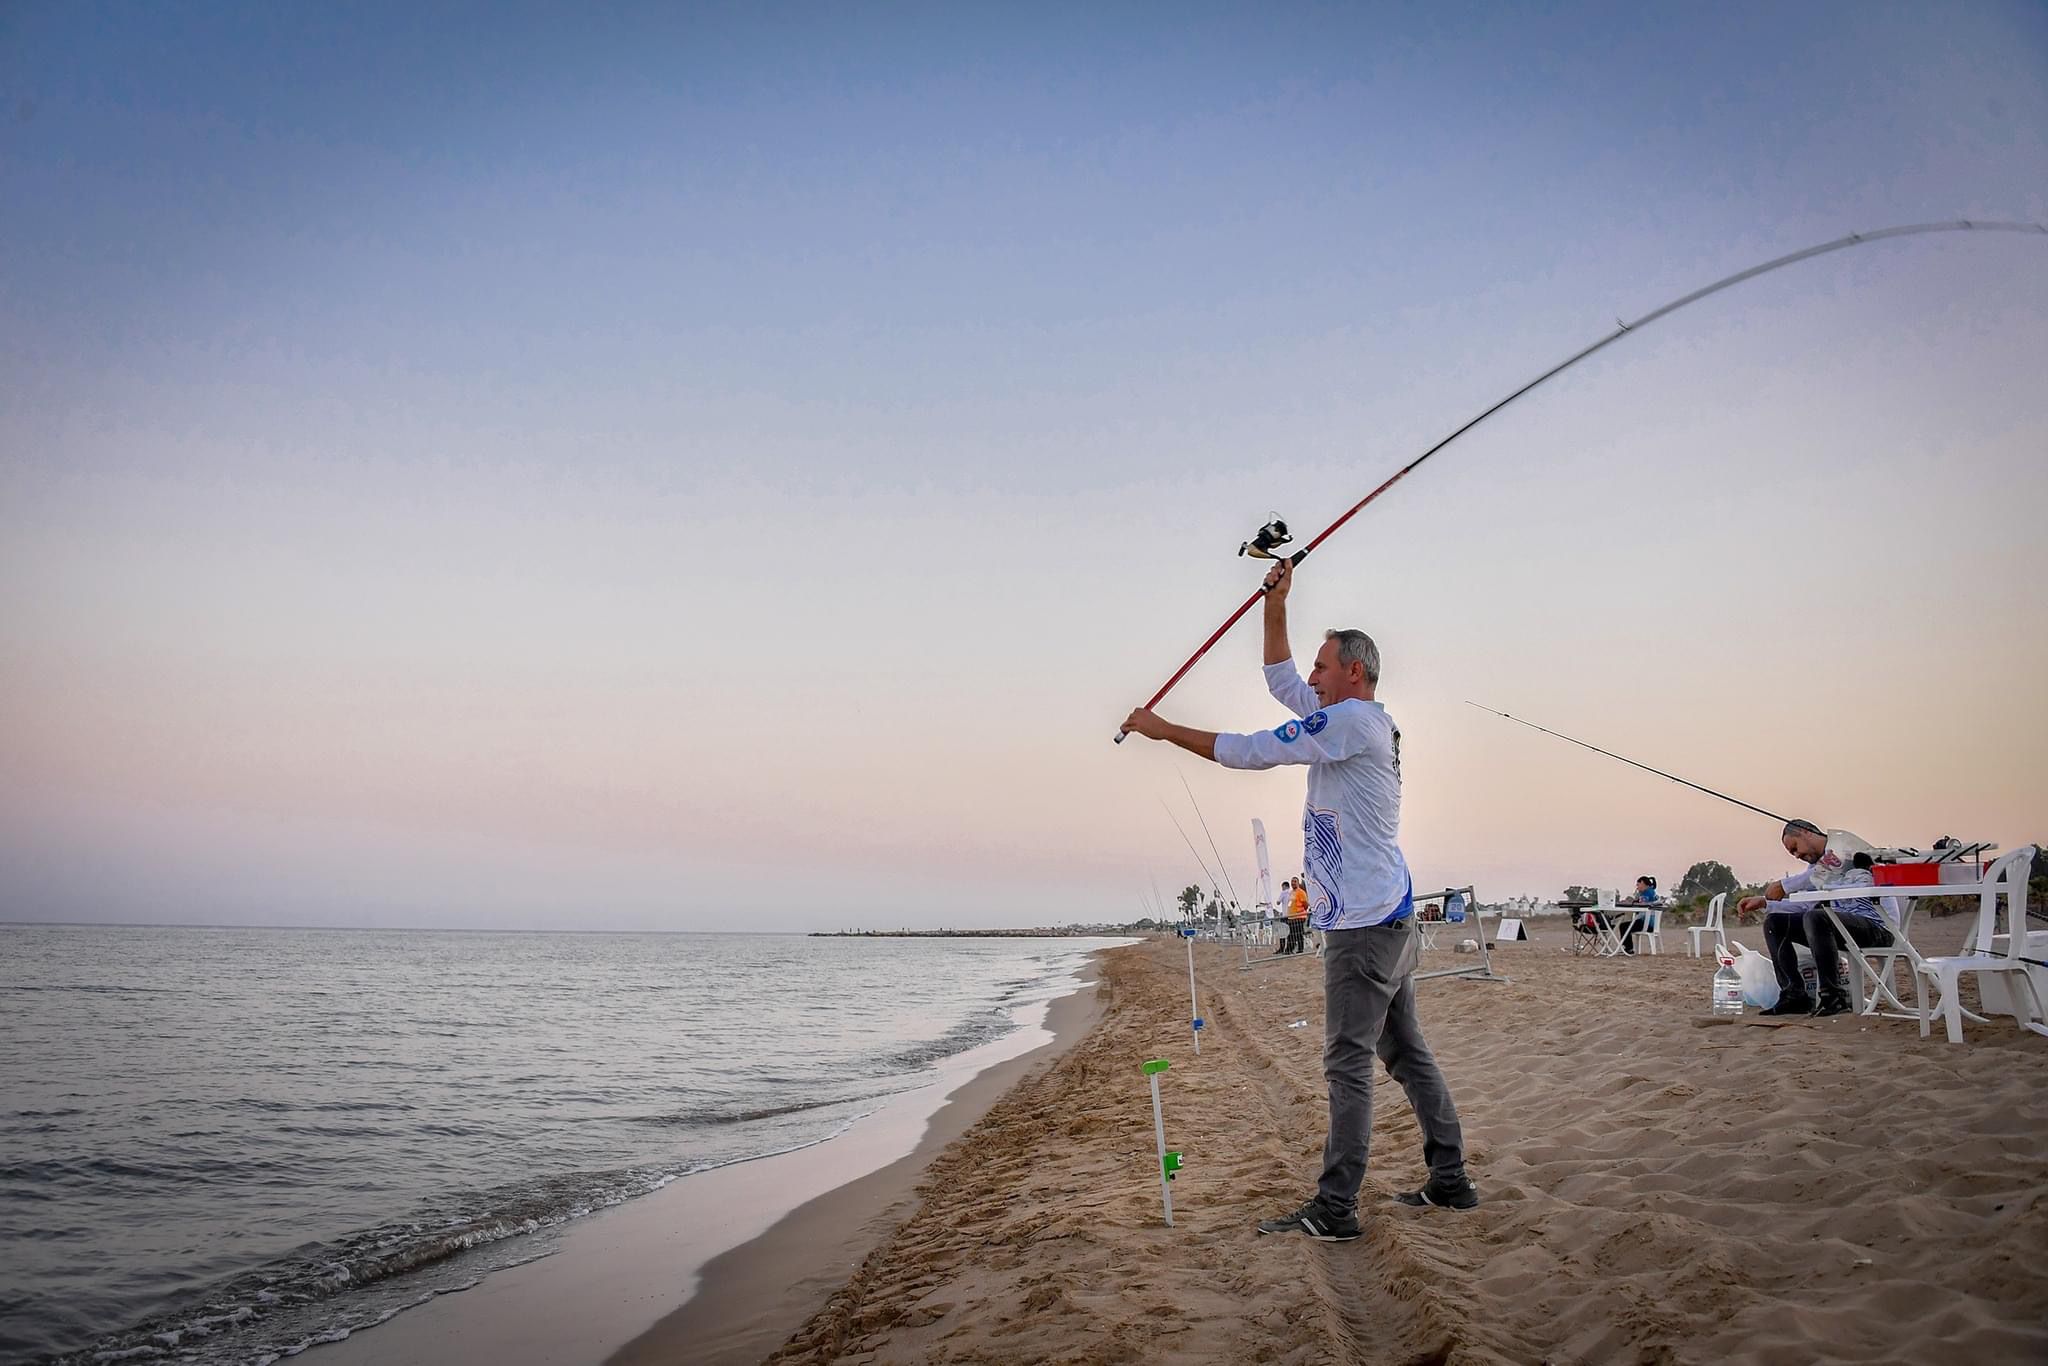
x: 1356, y: 647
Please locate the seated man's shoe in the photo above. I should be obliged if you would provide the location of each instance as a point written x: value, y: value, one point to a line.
x: 1441, y: 1194
x: 1788, y: 1004
x: 1833, y: 1003
x: 1317, y: 1221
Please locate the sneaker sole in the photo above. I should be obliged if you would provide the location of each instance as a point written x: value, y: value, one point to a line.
x: 1307, y: 1232
x: 1421, y: 1200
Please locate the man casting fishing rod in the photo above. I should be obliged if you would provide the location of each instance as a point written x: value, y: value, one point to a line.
x: 1360, y: 896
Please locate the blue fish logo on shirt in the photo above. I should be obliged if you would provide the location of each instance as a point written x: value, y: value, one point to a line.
x: 1323, y: 852
x: 1315, y: 722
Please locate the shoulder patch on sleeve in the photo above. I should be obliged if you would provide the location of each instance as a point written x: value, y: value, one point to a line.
x: 1314, y: 722
x: 1288, y: 733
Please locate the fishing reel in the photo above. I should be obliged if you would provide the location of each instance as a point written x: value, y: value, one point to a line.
x: 1266, y: 540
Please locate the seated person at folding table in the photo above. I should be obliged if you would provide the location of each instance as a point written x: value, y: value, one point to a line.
x: 1645, y: 895
x: 1834, y: 858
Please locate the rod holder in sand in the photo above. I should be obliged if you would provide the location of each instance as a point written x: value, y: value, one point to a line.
x: 1169, y: 1162
x: 1194, y: 1006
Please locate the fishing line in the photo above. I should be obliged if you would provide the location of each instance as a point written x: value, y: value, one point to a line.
x: 1207, y: 876
x: 1622, y: 329
x: 1220, y: 864
x: 1632, y: 763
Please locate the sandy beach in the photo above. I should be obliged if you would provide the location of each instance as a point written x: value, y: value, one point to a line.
x: 1658, y: 1186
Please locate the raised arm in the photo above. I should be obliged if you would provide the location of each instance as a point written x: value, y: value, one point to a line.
x: 1279, y: 579
x: 1283, y: 680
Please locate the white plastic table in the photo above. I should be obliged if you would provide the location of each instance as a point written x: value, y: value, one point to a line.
x: 1980, y: 932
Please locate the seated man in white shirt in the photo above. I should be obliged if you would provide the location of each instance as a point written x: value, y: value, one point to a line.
x: 1835, y: 858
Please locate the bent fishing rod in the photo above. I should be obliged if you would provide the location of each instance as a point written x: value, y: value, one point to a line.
x: 1632, y: 763
x: 1274, y: 534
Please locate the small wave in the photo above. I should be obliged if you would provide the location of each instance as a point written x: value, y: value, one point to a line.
x: 88, y: 989
x: 292, y: 1289
x: 714, y: 1118
x: 321, y: 1272
x: 60, y: 1171
x: 705, y: 1119
x: 982, y: 1027
x: 353, y: 1106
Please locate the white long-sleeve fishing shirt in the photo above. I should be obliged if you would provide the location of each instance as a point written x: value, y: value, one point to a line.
x: 1351, y: 823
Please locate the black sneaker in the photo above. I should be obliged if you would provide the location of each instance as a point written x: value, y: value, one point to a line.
x: 1438, y: 1194
x: 1801, y: 1004
x: 1317, y: 1221
x: 1835, y: 1004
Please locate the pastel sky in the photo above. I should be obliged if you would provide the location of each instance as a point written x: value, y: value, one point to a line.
x: 734, y: 466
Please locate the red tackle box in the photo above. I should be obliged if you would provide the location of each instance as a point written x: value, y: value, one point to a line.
x: 1906, y: 874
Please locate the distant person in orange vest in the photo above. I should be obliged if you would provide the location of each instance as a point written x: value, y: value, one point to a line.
x: 1289, y: 890
x: 1297, y: 919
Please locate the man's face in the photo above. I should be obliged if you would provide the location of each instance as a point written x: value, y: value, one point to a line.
x: 1333, y: 681
x: 1805, y: 846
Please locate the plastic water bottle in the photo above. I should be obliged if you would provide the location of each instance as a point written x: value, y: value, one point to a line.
x: 1727, y: 988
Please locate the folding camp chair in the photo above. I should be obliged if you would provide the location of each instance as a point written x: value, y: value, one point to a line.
x: 1585, y: 934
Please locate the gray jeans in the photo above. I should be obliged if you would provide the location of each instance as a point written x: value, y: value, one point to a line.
x: 1368, y: 1011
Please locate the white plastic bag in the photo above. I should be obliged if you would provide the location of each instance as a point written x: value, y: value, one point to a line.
x: 1759, y: 978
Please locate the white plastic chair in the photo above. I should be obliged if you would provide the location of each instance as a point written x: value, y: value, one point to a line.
x: 1872, y: 970
x: 1651, y: 917
x: 2007, y: 878
x: 1712, y: 925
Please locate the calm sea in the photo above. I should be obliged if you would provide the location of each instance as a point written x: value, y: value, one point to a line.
x: 224, y: 1145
